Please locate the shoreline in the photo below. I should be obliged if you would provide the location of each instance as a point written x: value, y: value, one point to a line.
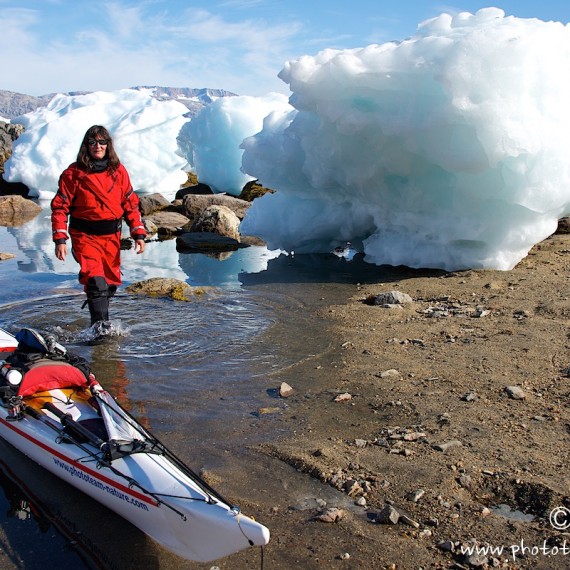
x: 443, y: 438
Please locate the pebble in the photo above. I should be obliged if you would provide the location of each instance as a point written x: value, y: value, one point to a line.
x: 446, y: 545
x: 388, y: 515
x: 515, y: 392
x: 346, y: 397
x: 415, y: 496
x: 465, y: 481
x: 410, y: 522
x: 392, y: 373
x: 331, y: 515
x: 285, y: 390
x: 264, y: 411
x: 447, y: 445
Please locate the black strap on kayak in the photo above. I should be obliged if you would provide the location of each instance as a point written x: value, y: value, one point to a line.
x: 156, y: 443
x: 101, y: 462
x: 73, y: 426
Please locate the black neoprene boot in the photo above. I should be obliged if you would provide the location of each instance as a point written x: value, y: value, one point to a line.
x: 97, y: 291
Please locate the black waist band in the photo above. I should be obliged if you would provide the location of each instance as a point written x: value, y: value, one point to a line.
x: 95, y: 227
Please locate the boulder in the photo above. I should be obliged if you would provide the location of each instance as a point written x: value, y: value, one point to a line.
x: 218, y: 220
x: 165, y: 287
x: 197, y: 188
x: 8, y: 134
x: 205, y: 242
x: 16, y: 210
x: 150, y: 203
x: 167, y: 222
x: 195, y: 204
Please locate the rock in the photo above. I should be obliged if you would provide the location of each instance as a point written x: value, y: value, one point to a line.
x: 253, y: 190
x: 446, y: 546
x: 8, y: 134
x: 285, y: 390
x: 515, y: 392
x: 267, y: 410
x: 389, y: 298
x: 205, y: 242
x: 331, y: 515
x: 352, y: 488
x: 392, y: 374
x: 405, y: 519
x: 196, y: 189
x: 465, y: 481
x: 563, y: 226
x: 343, y: 397
x: 415, y: 496
x: 162, y: 287
x: 447, y: 445
x: 150, y: 227
x: 16, y: 210
x: 414, y: 436
x: 150, y: 203
x: 168, y: 222
x: 218, y: 220
x: 480, y: 313
x: 195, y: 204
x: 388, y: 515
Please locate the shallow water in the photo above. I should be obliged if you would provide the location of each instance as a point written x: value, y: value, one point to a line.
x: 195, y: 373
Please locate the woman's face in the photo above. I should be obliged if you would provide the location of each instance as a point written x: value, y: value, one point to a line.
x: 97, y: 147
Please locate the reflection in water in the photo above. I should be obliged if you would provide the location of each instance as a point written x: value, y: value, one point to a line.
x: 28, y: 522
x: 19, y: 505
x: 113, y: 373
x: 33, y: 241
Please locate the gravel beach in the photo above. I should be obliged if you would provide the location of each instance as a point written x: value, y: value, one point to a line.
x: 417, y: 430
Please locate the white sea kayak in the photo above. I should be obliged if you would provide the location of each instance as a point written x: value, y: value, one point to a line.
x: 58, y: 415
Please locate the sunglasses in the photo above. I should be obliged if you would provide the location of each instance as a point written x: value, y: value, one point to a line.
x: 100, y: 142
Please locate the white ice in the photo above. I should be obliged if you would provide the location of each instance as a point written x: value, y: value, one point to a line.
x: 144, y: 132
x: 448, y: 149
x: 211, y: 141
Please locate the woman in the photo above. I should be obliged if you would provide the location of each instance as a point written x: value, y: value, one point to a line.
x: 95, y: 193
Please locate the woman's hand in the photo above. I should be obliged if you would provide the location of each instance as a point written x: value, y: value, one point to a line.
x: 139, y: 245
x: 61, y: 251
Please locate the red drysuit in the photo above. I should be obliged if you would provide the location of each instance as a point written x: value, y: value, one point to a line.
x: 95, y: 203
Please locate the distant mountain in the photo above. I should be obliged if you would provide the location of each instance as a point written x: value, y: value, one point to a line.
x: 15, y: 104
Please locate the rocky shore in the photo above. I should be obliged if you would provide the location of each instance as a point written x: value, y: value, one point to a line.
x: 431, y: 430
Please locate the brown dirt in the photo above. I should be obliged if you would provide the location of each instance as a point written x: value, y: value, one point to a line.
x: 494, y: 330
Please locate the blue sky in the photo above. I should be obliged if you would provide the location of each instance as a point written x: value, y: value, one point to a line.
x: 238, y: 45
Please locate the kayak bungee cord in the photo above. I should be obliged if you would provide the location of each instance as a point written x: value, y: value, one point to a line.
x: 101, y: 462
x: 155, y: 442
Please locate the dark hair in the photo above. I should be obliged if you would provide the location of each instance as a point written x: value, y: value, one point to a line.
x: 84, y: 158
